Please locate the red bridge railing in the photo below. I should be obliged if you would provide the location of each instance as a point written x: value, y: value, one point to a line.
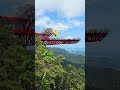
x: 28, y: 36
x: 60, y: 41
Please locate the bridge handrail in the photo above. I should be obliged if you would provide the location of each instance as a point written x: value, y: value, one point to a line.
x: 64, y: 39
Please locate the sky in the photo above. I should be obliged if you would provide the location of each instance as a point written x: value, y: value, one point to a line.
x: 65, y: 16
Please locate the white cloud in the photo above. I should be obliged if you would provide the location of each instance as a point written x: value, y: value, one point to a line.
x: 58, y: 26
x: 76, y: 23
x: 67, y: 8
x: 42, y: 21
x: 65, y: 26
x: 39, y: 13
x: 47, y: 22
x: 69, y: 37
x: 73, y: 8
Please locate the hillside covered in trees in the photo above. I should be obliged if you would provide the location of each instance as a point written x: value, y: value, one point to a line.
x: 43, y: 71
x: 74, y: 59
x: 16, y: 64
x: 53, y: 75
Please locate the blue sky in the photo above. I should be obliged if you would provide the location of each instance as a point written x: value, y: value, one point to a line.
x: 65, y: 16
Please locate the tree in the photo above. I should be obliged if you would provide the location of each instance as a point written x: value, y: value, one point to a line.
x: 16, y: 64
x: 50, y: 74
x: 47, y: 67
x: 74, y: 79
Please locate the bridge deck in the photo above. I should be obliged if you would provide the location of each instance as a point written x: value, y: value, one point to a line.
x: 62, y: 41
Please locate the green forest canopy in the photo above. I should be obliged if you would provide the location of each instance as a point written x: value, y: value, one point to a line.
x: 44, y: 71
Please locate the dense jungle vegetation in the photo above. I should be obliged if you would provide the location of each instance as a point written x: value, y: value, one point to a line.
x: 43, y: 71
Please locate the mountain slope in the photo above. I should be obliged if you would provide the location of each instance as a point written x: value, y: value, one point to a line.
x: 74, y: 59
